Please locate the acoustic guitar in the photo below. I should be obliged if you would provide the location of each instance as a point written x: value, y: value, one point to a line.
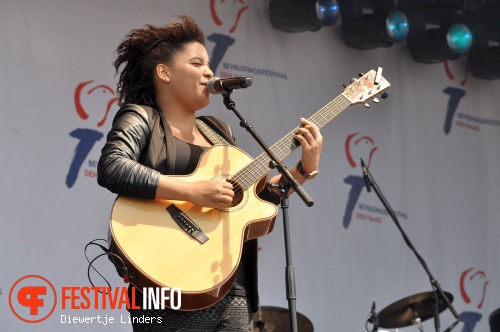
x: 168, y: 243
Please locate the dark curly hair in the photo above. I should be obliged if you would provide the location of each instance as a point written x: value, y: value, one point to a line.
x: 142, y: 50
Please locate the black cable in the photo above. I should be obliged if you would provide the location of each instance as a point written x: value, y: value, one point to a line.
x: 106, y: 253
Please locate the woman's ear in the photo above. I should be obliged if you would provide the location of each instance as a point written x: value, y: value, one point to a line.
x: 162, y: 71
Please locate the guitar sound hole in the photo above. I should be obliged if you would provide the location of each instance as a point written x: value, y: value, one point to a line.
x: 238, y: 193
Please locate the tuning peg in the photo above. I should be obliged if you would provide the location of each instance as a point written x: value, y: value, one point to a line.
x: 384, y: 95
x: 376, y: 100
x: 367, y: 105
x: 353, y: 80
x: 361, y: 74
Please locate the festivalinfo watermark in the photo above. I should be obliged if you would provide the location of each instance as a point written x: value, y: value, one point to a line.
x: 33, y: 299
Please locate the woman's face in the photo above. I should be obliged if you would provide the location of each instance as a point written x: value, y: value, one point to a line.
x: 189, y: 74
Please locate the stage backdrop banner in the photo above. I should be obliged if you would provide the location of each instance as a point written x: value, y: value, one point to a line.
x: 431, y: 147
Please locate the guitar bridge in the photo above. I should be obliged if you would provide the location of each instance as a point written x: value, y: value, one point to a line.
x: 186, y: 223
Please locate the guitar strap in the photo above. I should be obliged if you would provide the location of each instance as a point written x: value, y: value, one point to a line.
x: 210, y: 134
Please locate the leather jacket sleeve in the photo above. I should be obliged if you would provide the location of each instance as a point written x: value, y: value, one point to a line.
x: 118, y: 169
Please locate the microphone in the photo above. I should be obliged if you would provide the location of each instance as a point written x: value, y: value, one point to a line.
x: 365, y: 175
x: 452, y: 326
x: 221, y: 85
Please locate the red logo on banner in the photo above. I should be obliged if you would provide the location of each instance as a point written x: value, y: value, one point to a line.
x: 216, y: 16
x: 468, y: 277
x: 101, y: 87
x: 32, y: 299
x: 450, y: 75
x: 349, y: 145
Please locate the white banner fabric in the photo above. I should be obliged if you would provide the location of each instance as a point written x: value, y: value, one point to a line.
x: 432, y: 148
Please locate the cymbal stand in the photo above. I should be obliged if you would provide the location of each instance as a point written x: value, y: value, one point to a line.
x: 437, y: 290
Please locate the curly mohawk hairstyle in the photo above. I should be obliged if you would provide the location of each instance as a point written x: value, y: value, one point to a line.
x: 141, y: 50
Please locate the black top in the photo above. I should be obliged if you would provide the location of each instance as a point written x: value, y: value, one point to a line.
x: 187, y: 156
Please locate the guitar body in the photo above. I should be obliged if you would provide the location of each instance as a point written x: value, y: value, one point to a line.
x: 160, y: 253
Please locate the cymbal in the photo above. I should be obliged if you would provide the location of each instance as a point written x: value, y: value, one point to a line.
x: 402, y: 313
x: 276, y: 319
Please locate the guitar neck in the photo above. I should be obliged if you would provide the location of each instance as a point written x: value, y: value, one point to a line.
x: 255, y: 170
x: 360, y: 90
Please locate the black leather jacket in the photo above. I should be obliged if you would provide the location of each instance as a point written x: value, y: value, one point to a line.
x: 120, y: 169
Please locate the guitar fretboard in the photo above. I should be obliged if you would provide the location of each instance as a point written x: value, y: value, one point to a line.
x: 256, y: 169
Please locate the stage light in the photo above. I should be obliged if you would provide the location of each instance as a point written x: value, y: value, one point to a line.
x: 302, y: 15
x: 459, y: 38
x: 484, y: 55
x: 397, y: 26
x: 327, y: 11
x: 364, y: 23
x: 429, y: 23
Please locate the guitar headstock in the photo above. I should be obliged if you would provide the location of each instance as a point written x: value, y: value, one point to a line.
x: 366, y: 87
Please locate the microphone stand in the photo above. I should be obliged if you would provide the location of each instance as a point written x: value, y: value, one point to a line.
x: 437, y: 290
x: 283, y: 190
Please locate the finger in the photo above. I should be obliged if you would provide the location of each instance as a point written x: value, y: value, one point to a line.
x: 311, y: 127
x: 306, y: 136
x: 305, y: 121
x: 225, y: 200
x: 228, y: 193
x: 226, y: 188
x: 226, y: 184
x: 302, y: 140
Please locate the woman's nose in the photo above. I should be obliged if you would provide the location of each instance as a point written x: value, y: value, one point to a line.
x: 208, y: 73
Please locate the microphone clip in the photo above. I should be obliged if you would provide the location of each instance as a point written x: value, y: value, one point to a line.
x: 366, y: 177
x: 373, y: 318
